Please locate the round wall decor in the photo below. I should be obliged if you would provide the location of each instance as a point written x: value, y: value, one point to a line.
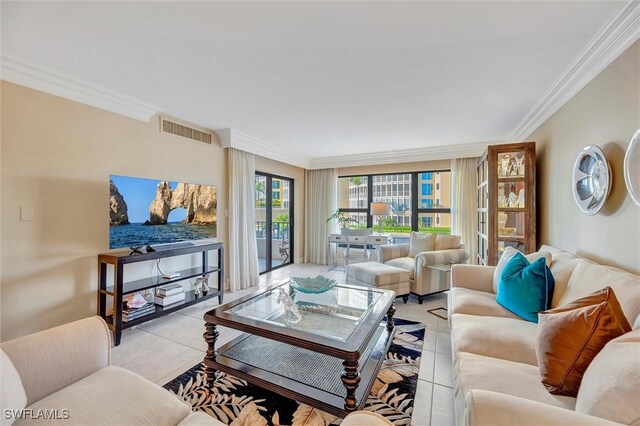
x: 632, y: 168
x: 591, y: 180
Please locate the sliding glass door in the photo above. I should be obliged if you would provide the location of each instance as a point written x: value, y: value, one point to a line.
x: 274, y: 220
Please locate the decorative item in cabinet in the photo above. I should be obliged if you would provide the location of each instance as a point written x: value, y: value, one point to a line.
x: 507, y: 175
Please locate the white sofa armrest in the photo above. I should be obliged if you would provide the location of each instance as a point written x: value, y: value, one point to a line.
x: 496, y: 409
x: 473, y: 277
x: 50, y: 360
x: 387, y: 252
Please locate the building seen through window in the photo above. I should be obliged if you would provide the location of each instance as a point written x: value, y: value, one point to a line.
x: 429, y: 191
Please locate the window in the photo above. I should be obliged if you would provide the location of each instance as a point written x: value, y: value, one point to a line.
x: 434, y: 213
x: 273, y: 219
x: 426, y: 222
x: 353, y: 198
x: 427, y: 189
x: 414, y: 205
x: 396, y: 190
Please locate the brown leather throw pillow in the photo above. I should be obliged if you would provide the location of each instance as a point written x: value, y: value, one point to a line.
x: 571, y: 335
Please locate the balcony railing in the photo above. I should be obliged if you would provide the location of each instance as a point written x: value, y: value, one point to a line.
x: 279, y: 230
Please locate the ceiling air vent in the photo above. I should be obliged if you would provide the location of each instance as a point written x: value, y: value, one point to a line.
x: 185, y: 131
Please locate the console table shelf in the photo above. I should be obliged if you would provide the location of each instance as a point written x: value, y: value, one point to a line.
x: 189, y: 299
x: 119, y: 288
x: 147, y: 283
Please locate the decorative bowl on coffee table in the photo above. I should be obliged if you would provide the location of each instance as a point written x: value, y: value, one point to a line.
x: 318, y: 284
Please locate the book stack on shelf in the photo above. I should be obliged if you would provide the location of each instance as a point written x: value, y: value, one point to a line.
x: 169, y: 294
x: 137, y: 307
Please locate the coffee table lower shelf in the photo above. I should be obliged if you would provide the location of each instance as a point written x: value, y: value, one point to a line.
x: 303, y: 375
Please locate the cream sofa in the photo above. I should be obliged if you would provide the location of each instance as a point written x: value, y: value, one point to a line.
x: 422, y: 280
x: 495, y: 372
x: 67, y: 372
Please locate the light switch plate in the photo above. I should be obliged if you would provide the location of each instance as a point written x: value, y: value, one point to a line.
x: 26, y: 214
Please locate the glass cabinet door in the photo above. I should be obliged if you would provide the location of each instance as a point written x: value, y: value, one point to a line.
x: 512, y: 170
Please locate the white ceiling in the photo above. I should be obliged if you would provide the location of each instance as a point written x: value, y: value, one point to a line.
x: 318, y: 79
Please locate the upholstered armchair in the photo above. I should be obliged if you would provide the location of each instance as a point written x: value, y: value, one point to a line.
x: 67, y: 369
x: 441, y: 249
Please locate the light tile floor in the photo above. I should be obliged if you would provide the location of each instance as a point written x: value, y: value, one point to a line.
x: 163, y: 348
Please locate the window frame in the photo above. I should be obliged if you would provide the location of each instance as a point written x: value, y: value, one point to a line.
x: 366, y: 210
x: 269, y: 218
x: 416, y: 206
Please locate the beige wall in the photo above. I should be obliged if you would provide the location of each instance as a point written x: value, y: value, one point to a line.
x: 605, y: 113
x: 267, y: 165
x: 57, y: 156
x: 418, y: 166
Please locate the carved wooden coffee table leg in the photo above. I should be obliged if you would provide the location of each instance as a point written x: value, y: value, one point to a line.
x: 350, y: 379
x: 210, y: 336
x: 390, y: 313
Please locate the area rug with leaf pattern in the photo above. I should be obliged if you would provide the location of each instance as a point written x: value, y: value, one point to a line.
x: 235, y: 402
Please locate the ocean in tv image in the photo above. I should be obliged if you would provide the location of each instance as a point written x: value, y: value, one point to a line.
x: 148, y: 211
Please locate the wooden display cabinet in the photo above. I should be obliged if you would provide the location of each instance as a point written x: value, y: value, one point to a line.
x: 506, y: 209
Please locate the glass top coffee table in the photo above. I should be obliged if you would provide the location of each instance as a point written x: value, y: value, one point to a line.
x: 322, y: 349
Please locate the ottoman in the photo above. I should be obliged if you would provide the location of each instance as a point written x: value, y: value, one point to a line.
x: 379, y: 275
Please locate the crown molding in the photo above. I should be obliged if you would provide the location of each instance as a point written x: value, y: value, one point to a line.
x: 231, y: 139
x: 620, y: 32
x: 66, y: 86
x: 445, y: 152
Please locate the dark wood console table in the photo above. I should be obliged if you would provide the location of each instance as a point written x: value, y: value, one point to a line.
x: 120, y: 288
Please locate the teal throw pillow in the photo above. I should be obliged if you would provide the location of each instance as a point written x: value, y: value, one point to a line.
x: 526, y: 288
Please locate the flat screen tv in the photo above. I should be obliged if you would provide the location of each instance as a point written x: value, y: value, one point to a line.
x: 148, y: 211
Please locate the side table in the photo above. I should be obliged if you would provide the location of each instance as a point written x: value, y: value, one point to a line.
x: 440, y: 279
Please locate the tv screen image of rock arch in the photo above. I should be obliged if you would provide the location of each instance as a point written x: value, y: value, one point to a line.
x: 148, y: 211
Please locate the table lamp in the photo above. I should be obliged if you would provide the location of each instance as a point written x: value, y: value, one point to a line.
x: 380, y: 209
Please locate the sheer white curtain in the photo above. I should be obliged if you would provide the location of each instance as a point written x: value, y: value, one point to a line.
x: 320, y: 202
x: 463, y: 205
x: 243, y: 249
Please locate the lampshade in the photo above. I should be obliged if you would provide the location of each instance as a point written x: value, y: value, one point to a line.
x: 380, y: 209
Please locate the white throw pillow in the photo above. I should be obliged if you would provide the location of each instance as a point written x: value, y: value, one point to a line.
x: 421, y: 242
x: 508, y: 253
x: 447, y: 242
x: 610, y: 387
